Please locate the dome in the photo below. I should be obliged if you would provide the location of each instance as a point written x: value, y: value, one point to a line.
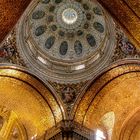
x: 66, y: 39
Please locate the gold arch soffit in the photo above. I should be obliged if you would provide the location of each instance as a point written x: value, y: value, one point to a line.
x: 117, y: 69
x: 31, y: 86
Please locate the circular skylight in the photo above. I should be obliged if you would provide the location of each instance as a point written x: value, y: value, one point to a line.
x: 69, y: 16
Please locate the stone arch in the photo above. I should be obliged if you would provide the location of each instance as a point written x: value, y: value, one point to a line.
x: 32, y: 101
x: 111, y: 91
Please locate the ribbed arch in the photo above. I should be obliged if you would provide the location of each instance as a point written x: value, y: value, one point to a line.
x: 32, y: 101
x: 114, y: 90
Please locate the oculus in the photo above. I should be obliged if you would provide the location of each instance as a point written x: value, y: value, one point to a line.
x: 69, y: 16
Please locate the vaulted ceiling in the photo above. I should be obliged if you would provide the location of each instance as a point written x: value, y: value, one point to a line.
x: 127, y: 13
x: 91, y: 107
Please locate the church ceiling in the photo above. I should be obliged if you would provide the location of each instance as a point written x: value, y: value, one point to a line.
x: 67, y: 91
x: 80, y: 53
x: 127, y: 13
x: 68, y: 41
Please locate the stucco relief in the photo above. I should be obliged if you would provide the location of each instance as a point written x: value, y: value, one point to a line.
x: 8, y: 50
